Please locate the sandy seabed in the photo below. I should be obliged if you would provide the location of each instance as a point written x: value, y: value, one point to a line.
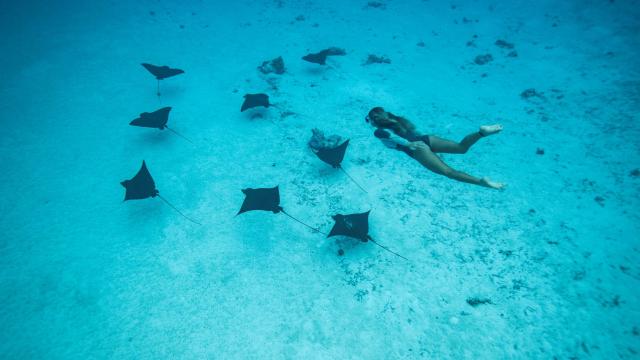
x: 546, y: 269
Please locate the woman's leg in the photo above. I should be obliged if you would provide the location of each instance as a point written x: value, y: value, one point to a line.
x: 431, y: 161
x: 440, y: 145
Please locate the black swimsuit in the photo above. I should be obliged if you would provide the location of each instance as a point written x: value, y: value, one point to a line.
x: 423, y: 138
x: 384, y: 135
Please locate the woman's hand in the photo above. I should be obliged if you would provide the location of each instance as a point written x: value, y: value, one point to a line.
x: 417, y: 145
x: 492, y: 184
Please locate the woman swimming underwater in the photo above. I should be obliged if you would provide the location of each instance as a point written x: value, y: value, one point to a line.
x: 423, y: 148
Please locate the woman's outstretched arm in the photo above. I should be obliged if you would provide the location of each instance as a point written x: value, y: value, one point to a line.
x: 423, y: 154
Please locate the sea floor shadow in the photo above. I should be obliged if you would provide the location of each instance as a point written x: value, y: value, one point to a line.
x: 256, y: 114
x: 315, y: 71
x: 169, y: 93
x: 156, y: 137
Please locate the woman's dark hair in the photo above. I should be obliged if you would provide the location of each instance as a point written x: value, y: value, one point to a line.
x: 400, y: 127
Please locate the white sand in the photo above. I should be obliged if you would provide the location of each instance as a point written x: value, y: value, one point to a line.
x: 83, y: 275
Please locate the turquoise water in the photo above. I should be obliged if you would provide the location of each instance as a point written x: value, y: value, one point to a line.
x: 547, y: 268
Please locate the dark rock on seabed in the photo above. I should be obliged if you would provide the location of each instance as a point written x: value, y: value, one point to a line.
x: 475, y: 301
x: 530, y: 93
x: 504, y: 45
x: 273, y: 66
x: 376, y: 5
x: 483, y: 59
x: 375, y: 59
